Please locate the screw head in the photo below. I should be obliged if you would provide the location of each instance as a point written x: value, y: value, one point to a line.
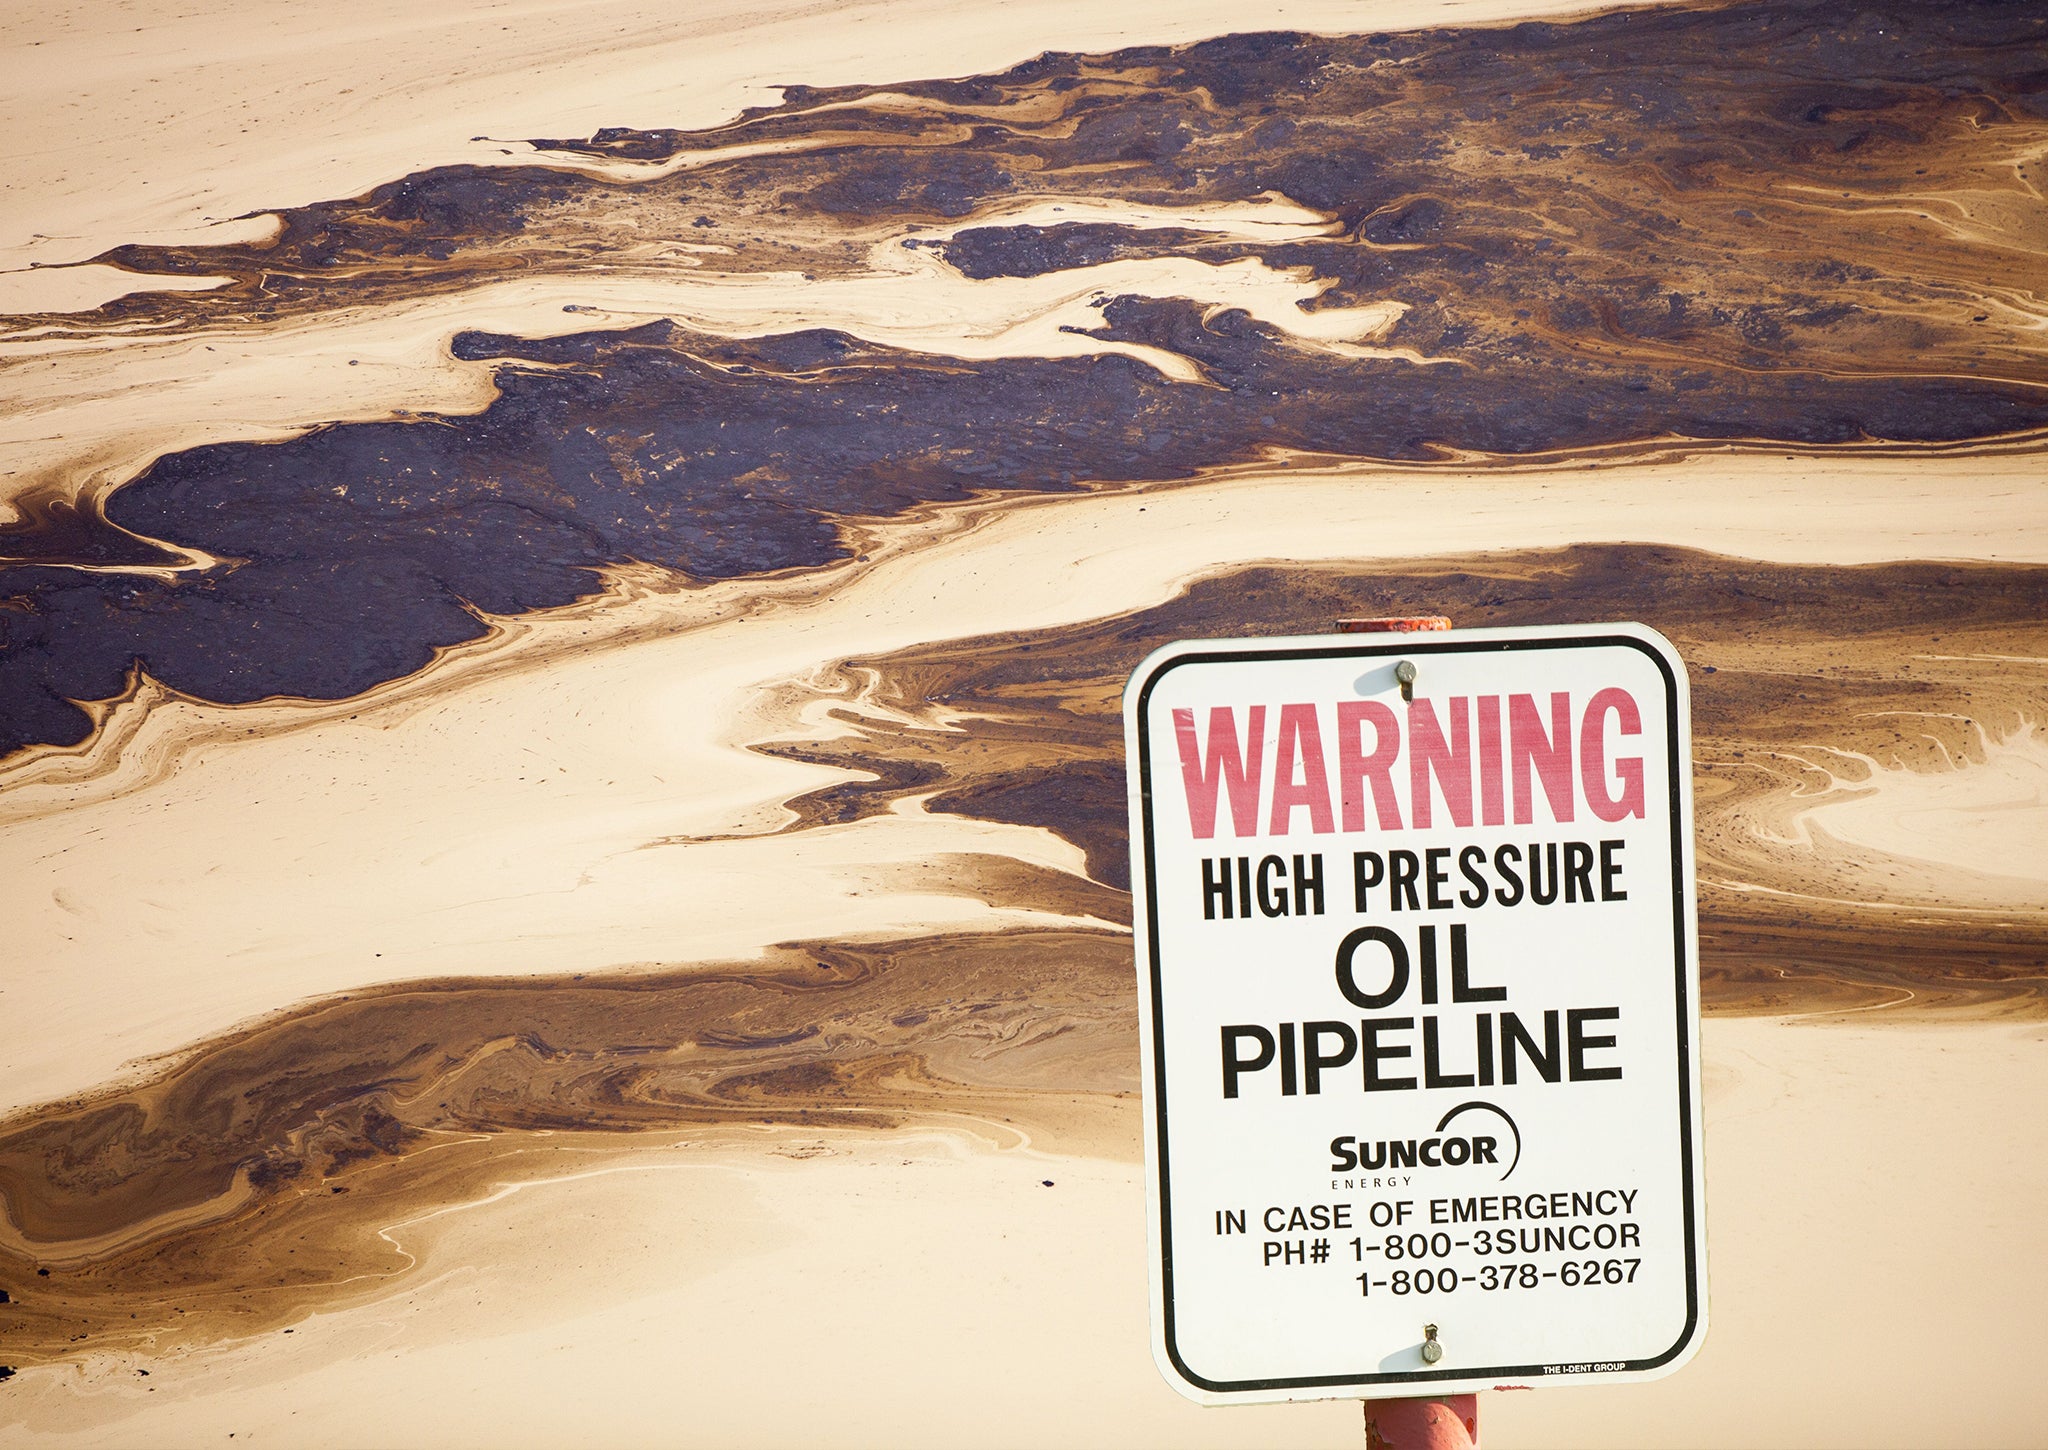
x: 1431, y: 1351
x: 1405, y: 672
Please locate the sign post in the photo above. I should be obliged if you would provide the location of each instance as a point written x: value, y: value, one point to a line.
x: 1419, y: 1010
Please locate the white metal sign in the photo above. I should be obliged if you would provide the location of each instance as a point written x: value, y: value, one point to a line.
x: 1419, y: 1005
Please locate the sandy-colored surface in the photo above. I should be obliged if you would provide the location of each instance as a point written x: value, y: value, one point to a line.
x: 1869, y: 1195
x: 582, y: 793
x: 1989, y: 821
x: 1866, y: 1246
x: 980, y: 1307
x: 580, y: 814
x: 83, y: 288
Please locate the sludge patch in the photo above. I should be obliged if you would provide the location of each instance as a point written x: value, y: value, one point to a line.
x: 1792, y: 667
x: 1780, y: 222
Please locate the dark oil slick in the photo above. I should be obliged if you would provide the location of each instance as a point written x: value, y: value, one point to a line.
x: 1790, y: 222
x: 1792, y: 665
x: 1794, y: 222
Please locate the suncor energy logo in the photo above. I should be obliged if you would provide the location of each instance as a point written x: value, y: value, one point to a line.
x: 1474, y: 1146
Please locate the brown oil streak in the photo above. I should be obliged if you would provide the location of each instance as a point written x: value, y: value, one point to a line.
x: 1804, y: 193
x: 1790, y: 664
x: 247, y: 1183
x: 1746, y: 205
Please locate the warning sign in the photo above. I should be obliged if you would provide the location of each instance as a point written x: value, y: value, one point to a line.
x: 1419, y: 998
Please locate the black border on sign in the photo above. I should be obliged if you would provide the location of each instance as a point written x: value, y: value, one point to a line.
x: 1681, y: 894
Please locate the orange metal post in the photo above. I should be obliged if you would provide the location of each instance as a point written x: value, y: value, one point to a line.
x: 1448, y: 1423
x: 1393, y: 624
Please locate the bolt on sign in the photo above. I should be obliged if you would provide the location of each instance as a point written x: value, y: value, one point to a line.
x: 1419, y: 997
